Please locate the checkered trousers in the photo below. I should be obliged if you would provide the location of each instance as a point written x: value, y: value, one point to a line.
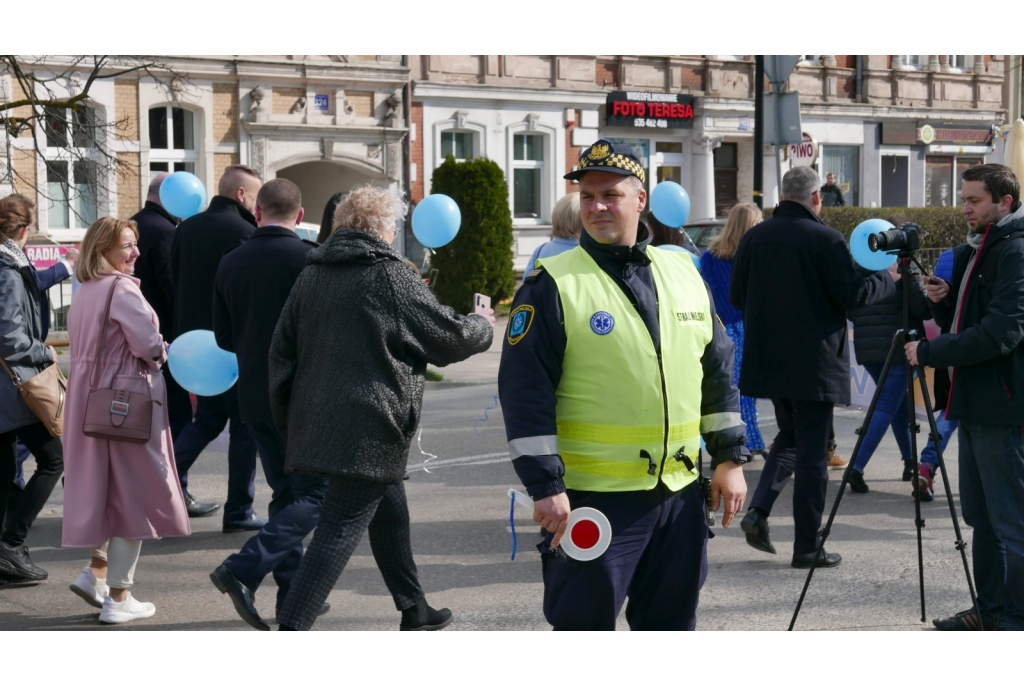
x: 350, y: 507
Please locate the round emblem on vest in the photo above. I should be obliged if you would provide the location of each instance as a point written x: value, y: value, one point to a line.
x: 602, y: 323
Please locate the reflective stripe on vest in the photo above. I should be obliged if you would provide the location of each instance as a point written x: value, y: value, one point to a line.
x: 610, y: 400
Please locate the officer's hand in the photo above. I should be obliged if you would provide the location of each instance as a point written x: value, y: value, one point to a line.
x: 552, y: 513
x: 936, y: 288
x: 728, y: 484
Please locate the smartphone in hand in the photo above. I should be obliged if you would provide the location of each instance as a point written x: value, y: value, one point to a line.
x: 481, y: 303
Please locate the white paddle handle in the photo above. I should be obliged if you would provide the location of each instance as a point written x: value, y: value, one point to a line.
x: 521, y: 498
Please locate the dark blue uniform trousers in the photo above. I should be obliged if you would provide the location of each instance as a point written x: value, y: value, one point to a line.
x: 212, y: 414
x: 294, y: 513
x: 657, y: 558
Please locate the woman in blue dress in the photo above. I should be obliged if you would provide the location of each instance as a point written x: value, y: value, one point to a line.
x: 716, y: 268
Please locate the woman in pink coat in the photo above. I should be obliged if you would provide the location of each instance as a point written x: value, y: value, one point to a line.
x: 116, y: 494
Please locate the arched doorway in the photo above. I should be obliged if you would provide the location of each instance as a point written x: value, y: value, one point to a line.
x: 318, y: 181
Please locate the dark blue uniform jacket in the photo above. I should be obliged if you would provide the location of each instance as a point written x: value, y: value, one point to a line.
x: 532, y: 368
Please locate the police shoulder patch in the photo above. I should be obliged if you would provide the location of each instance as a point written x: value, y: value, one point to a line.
x: 519, y: 323
x: 533, y: 275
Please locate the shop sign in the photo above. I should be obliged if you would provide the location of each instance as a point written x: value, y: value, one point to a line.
x: 929, y: 134
x: 45, y: 256
x: 960, y: 149
x: 806, y: 153
x: 635, y: 109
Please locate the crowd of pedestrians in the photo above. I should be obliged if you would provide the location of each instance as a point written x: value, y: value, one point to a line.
x: 600, y: 318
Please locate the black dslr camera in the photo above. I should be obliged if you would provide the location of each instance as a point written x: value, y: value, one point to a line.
x: 902, y: 240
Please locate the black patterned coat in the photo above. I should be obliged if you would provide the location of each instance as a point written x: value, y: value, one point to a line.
x: 349, y: 357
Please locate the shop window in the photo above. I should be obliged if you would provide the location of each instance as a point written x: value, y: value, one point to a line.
x: 172, y: 140
x: 71, y: 178
x: 844, y: 162
x: 962, y: 165
x: 726, y: 172
x: 938, y: 181
x: 527, y: 175
x: 458, y: 144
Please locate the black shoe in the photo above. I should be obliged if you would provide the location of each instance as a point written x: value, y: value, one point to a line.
x: 965, y: 620
x: 755, y: 525
x: 15, y: 564
x: 199, y: 509
x: 908, y: 470
x: 826, y: 561
x: 241, y: 596
x: 857, y: 483
x: 250, y: 523
x: 424, y: 617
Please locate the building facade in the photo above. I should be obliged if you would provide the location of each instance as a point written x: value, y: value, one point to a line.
x: 897, y: 130
x: 326, y: 122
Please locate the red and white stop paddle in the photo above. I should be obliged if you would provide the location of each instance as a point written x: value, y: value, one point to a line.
x: 587, y: 534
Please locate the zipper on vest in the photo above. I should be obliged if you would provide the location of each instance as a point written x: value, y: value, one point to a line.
x: 664, y: 404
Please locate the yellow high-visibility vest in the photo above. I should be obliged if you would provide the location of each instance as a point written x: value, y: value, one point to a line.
x: 617, y: 400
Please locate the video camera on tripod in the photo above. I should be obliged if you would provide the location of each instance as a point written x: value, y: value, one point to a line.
x: 903, y: 240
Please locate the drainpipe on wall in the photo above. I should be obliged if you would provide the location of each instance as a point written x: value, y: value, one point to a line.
x: 859, y: 83
x: 407, y: 151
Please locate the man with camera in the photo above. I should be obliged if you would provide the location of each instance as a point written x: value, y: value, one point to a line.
x: 794, y: 281
x: 983, y: 309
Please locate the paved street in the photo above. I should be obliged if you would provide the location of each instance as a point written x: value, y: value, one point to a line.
x: 462, y: 543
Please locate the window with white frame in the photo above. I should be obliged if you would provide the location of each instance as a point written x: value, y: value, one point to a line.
x: 458, y: 144
x: 172, y: 140
x: 961, y: 63
x: 71, y: 167
x: 914, y: 61
x: 527, y: 175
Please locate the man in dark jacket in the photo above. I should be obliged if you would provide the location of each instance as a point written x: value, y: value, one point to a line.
x: 831, y: 194
x: 153, y: 269
x: 199, y: 243
x: 253, y: 283
x: 983, y: 306
x: 794, y: 282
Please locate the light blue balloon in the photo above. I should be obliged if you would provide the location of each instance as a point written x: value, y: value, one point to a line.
x: 182, y: 194
x: 862, y: 254
x: 436, y: 221
x: 670, y: 204
x: 200, y: 366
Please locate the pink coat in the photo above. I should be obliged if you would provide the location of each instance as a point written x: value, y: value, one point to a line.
x: 116, y: 488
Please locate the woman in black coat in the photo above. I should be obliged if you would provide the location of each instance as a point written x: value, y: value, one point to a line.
x: 352, y: 347
x: 25, y: 353
x: 873, y: 329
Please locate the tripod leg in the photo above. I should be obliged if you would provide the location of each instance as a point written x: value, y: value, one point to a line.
x: 918, y: 521
x: 960, y: 544
x: 861, y: 432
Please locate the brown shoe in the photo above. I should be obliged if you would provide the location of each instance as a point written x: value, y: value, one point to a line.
x: 835, y: 461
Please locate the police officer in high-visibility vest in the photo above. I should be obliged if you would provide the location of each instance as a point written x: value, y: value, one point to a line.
x: 614, y: 365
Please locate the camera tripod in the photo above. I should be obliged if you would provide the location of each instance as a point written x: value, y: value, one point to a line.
x: 905, y: 258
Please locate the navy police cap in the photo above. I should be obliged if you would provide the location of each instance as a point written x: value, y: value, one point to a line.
x: 615, y: 158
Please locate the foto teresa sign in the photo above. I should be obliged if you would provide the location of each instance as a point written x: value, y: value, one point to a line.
x: 806, y: 153
x: 636, y: 109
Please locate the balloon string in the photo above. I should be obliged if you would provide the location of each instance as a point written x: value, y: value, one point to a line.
x: 512, y: 523
x: 419, y: 444
x: 484, y: 419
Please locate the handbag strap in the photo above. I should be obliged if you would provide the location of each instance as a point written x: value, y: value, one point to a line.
x: 94, y: 379
x: 14, y: 379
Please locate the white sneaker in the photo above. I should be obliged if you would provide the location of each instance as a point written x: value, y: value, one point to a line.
x: 128, y: 610
x: 90, y: 588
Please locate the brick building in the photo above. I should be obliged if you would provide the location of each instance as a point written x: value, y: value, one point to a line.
x: 326, y: 122
x: 896, y: 130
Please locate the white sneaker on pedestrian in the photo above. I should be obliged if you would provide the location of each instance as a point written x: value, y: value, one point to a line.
x: 128, y: 610
x: 90, y: 588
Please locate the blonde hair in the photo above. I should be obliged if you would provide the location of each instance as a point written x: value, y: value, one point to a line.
x: 742, y: 217
x: 565, y: 218
x: 103, y: 235
x: 370, y: 210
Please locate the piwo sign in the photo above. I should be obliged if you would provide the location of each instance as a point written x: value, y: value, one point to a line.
x: 806, y: 153
x: 635, y: 109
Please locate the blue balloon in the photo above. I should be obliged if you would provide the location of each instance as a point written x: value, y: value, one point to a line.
x: 862, y: 254
x: 436, y: 221
x: 183, y: 194
x: 200, y: 366
x: 670, y: 204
